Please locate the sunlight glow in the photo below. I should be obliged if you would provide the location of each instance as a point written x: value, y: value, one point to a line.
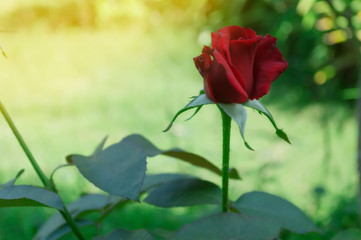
x: 334, y: 37
x: 320, y: 77
x: 324, y: 24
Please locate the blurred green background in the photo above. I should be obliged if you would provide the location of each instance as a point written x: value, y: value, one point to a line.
x: 78, y: 70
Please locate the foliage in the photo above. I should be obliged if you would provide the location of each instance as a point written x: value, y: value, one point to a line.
x: 117, y: 168
x: 324, y: 72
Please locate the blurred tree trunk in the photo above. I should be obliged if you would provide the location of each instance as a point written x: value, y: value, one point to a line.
x: 357, y: 58
x: 359, y: 138
x: 357, y: 49
x: 358, y: 109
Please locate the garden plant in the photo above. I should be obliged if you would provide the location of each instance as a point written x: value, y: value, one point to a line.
x: 237, y: 70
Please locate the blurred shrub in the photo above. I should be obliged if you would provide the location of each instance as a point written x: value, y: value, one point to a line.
x: 320, y: 39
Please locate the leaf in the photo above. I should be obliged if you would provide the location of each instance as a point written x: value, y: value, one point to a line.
x: 226, y: 226
x: 155, y: 180
x: 118, y: 170
x: 91, y: 202
x: 97, y: 202
x: 239, y: 114
x: 194, y: 159
x: 196, y: 102
x: 185, y: 192
x: 25, y: 195
x: 85, y: 204
x: 263, y: 204
x: 119, y: 234
x: 12, y: 182
x: 163, y: 233
x: 65, y: 229
x: 255, y: 104
x: 349, y: 234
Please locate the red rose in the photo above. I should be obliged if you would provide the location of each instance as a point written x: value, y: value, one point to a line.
x: 243, y: 67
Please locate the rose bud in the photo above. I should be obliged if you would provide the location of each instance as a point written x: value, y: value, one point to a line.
x: 240, y: 66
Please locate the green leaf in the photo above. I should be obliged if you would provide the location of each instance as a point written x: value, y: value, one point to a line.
x: 239, y: 114
x: 155, y: 180
x: 255, y: 104
x: 12, y: 182
x: 85, y: 204
x: 119, y: 234
x: 98, y: 202
x: 118, y: 170
x: 91, y: 202
x: 163, y: 233
x: 266, y: 205
x: 25, y: 195
x: 226, y: 226
x: 194, y: 159
x: 184, y: 192
x: 64, y: 229
x: 349, y: 234
x: 196, y: 102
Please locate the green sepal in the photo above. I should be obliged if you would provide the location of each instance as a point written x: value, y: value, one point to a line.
x: 239, y: 114
x: 248, y: 146
x: 195, y: 112
x: 280, y: 133
x: 235, y: 111
x: 257, y: 105
x: 196, y: 102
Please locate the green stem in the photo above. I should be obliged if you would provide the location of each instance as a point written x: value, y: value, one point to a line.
x: 46, y: 182
x: 23, y: 145
x: 226, y: 127
x: 72, y: 224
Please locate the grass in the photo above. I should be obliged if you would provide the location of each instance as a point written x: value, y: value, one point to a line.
x: 68, y: 89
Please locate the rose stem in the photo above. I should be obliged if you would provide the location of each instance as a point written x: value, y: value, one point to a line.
x: 226, y: 127
x: 46, y: 182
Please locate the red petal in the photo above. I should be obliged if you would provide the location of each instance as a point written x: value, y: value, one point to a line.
x: 225, y: 87
x: 242, y: 53
x: 226, y: 34
x: 268, y: 66
x: 203, y: 63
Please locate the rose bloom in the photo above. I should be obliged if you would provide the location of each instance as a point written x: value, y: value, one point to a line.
x: 240, y: 66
